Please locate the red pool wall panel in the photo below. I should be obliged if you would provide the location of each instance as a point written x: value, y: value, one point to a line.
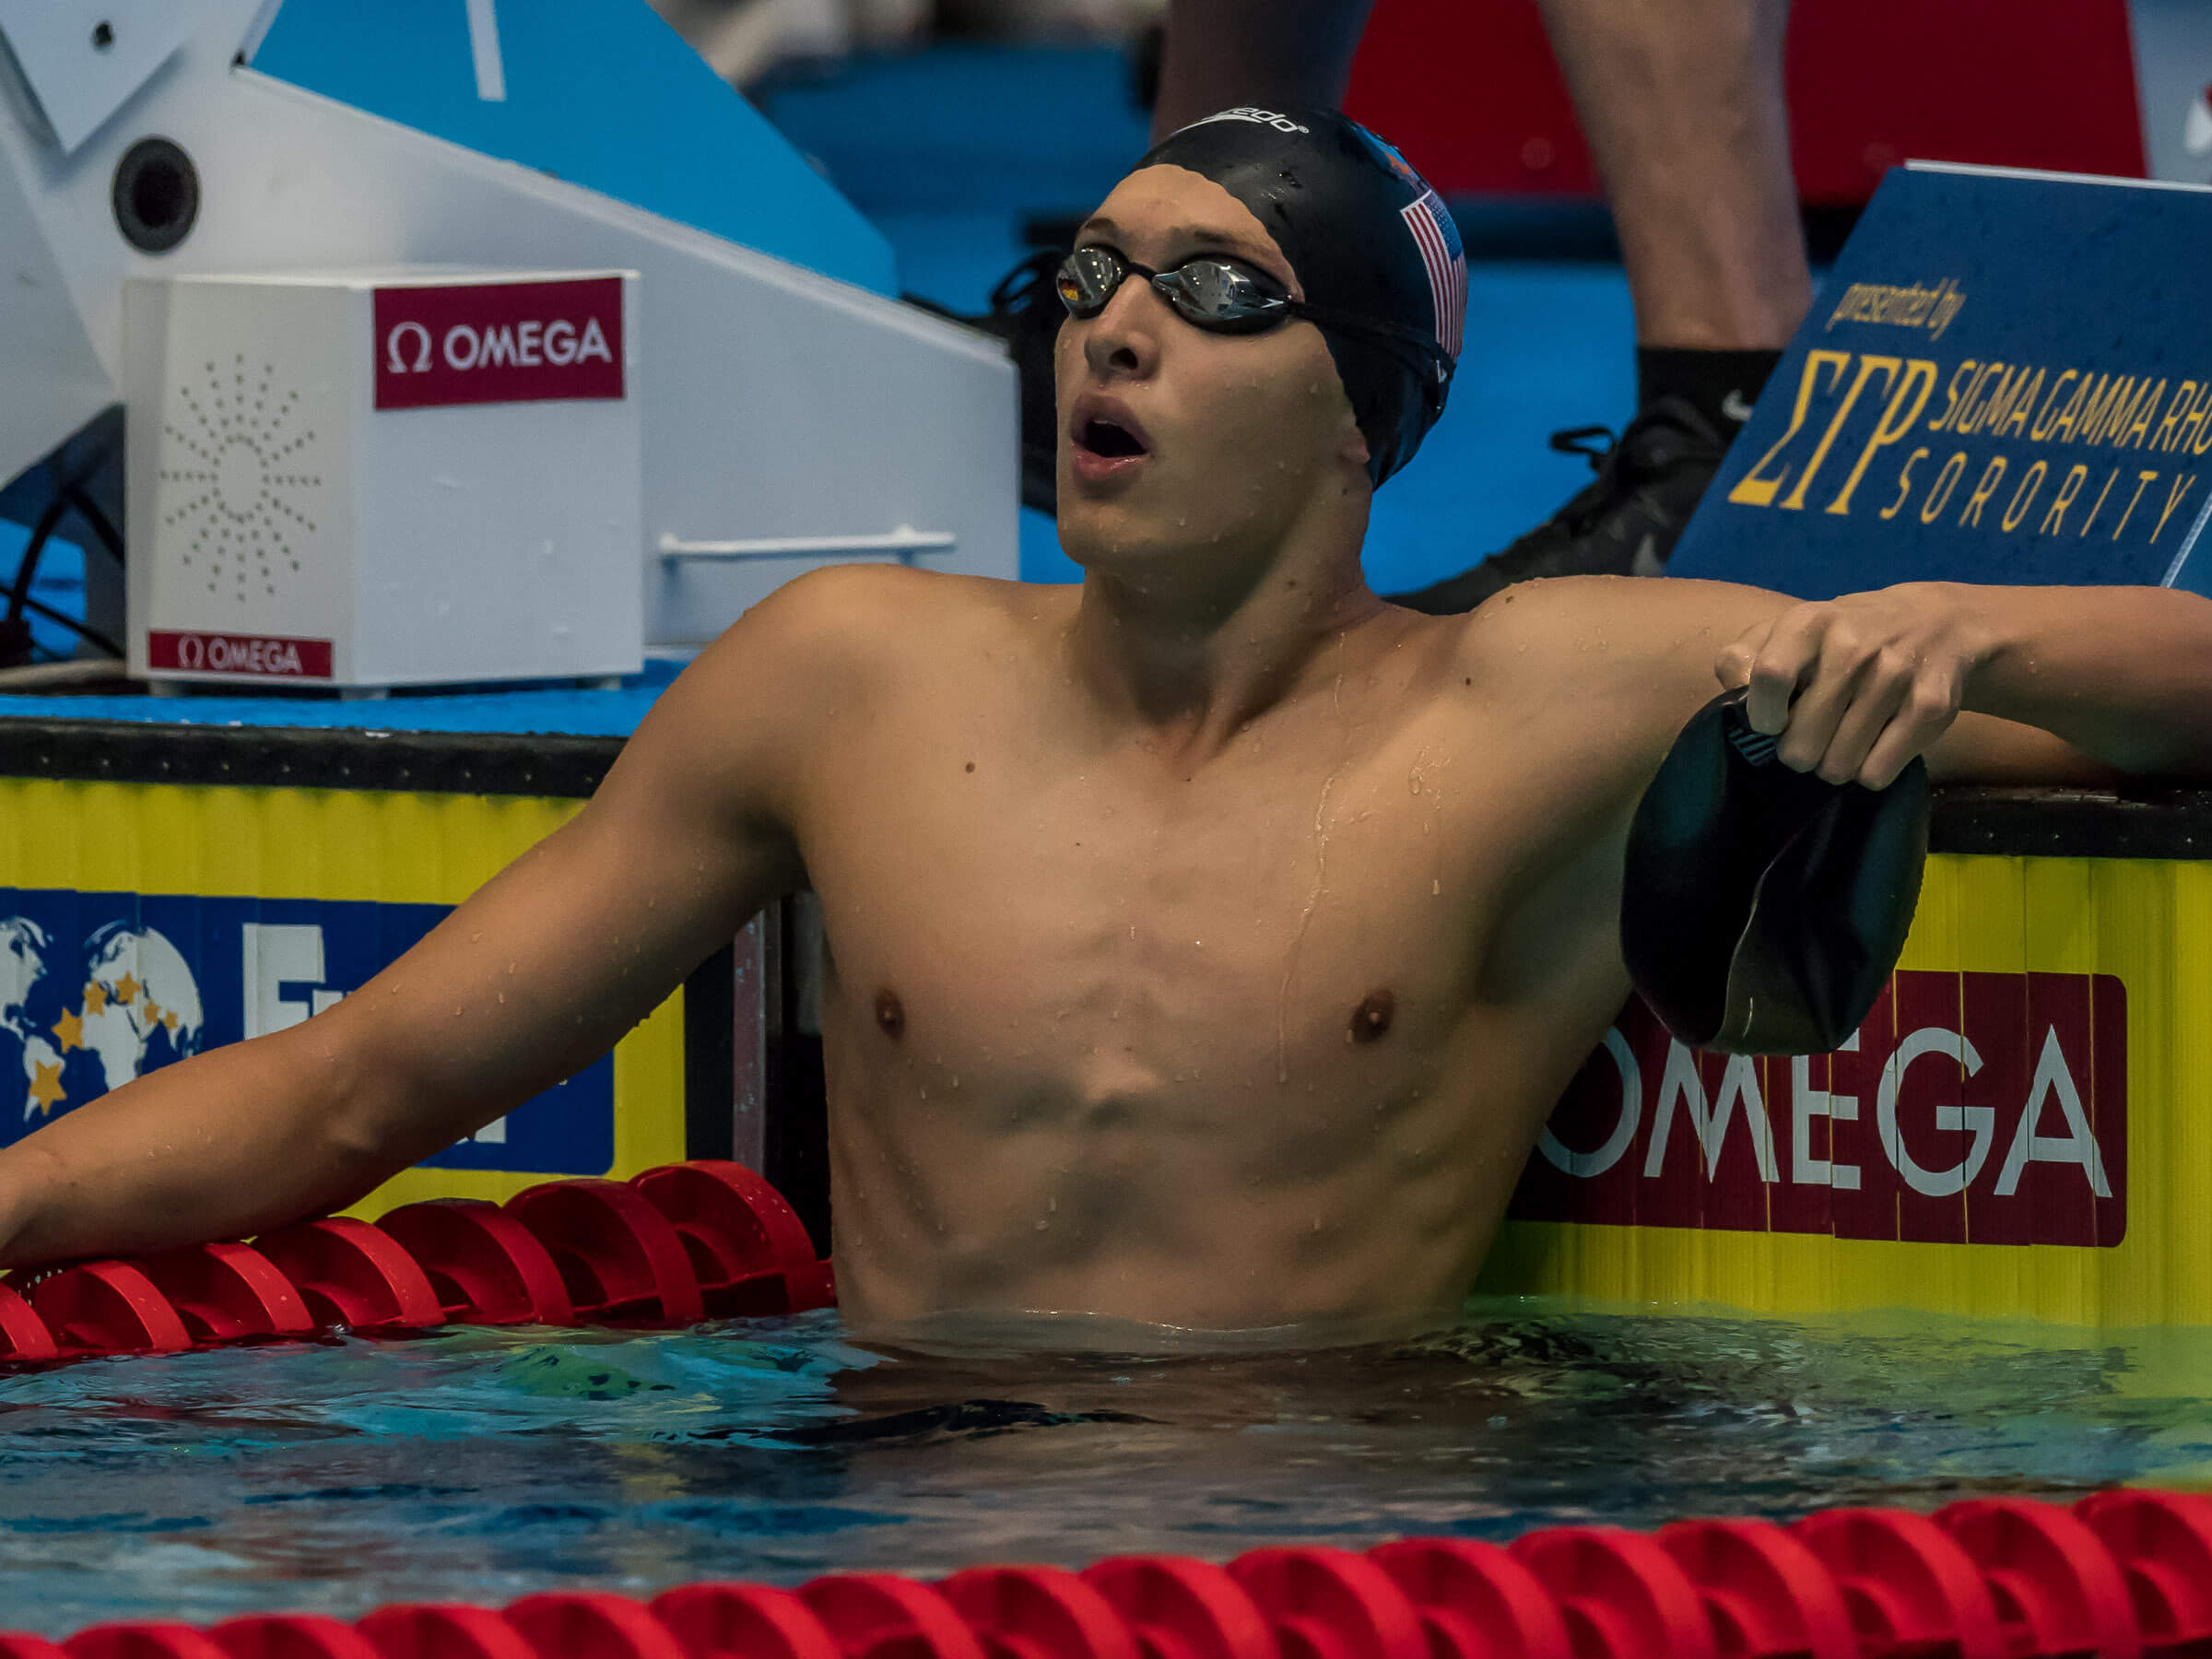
x: 1470, y: 91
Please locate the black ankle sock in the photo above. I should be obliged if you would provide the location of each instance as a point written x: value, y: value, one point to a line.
x: 1720, y: 385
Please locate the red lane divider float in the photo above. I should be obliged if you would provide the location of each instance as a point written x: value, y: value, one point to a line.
x: 1475, y: 1600
x: 1037, y: 1613
x: 2118, y: 1575
x: 742, y: 1621
x: 1178, y: 1609
x: 23, y: 1334
x: 1766, y: 1595
x: 291, y: 1636
x: 1908, y: 1588
x: 672, y: 1247
x: 2164, y: 1546
x: 1621, y: 1592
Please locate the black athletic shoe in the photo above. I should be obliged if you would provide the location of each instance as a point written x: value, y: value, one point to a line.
x: 1624, y: 522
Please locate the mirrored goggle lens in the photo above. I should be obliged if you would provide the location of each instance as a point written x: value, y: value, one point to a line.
x: 1087, y: 280
x: 1217, y: 295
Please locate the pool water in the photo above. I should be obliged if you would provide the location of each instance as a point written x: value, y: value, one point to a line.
x: 482, y: 1465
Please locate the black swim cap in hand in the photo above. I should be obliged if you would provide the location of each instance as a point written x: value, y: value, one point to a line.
x: 1763, y: 909
x: 1367, y: 237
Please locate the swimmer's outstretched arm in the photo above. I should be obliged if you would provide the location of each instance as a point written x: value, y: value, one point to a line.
x: 532, y: 978
x: 2013, y: 685
x: 1980, y: 678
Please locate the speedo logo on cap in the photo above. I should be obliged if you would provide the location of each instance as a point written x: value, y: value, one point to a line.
x: 1281, y: 123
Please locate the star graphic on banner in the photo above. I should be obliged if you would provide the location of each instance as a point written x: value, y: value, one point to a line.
x: 168, y: 1020
x: 127, y: 989
x: 153, y: 1012
x: 46, y: 1087
x: 96, y: 997
x: 69, y: 1030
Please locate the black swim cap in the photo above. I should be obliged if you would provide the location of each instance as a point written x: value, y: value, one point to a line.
x: 1763, y: 909
x: 1367, y: 236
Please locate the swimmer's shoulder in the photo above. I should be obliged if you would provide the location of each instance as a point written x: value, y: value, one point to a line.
x: 843, y: 633
x: 1600, y: 629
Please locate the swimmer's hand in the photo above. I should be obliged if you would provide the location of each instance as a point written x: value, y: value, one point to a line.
x: 1856, y: 687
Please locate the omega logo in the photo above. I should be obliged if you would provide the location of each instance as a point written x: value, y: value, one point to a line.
x: 532, y: 344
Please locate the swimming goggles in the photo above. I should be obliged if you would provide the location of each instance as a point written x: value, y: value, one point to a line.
x: 1223, y: 295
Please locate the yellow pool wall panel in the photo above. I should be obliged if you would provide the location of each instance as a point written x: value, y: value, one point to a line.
x: 2148, y: 923
x: 384, y: 846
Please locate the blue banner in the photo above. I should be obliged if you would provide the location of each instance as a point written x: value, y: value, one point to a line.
x: 2007, y: 378
x: 99, y: 988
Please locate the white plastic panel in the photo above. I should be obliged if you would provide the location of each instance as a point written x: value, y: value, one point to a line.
x: 82, y: 59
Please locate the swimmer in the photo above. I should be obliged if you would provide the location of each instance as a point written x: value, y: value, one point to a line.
x: 1207, y: 944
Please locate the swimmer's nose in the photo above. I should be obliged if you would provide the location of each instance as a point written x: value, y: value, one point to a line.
x: 1124, y: 339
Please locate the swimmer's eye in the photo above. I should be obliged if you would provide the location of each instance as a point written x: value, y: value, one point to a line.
x: 1210, y: 291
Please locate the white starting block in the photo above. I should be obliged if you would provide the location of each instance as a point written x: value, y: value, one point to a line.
x: 786, y: 419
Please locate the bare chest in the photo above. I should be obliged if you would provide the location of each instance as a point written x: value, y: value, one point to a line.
x: 1109, y: 933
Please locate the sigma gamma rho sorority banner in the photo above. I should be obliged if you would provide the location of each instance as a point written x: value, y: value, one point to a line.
x: 2007, y: 378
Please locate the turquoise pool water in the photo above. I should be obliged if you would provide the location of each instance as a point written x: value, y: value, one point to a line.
x: 481, y: 1466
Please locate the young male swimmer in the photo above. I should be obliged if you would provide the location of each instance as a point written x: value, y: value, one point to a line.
x: 1207, y: 944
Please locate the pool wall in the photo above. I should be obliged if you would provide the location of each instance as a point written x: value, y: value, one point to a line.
x: 2022, y: 1127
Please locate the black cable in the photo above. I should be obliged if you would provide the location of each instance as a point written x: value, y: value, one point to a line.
x: 40, y: 533
x: 85, y: 632
x: 102, y: 524
x: 70, y: 498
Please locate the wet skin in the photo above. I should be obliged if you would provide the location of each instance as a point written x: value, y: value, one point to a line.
x: 1207, y: 944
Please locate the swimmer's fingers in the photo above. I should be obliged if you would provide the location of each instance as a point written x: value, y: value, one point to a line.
x: 1865, y: 724
x: 1929, y: 708
x: 1871, y: 701
x: 1733, y: 667
x: 1771, y: 660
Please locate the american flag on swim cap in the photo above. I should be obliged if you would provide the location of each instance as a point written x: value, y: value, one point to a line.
x: 1446, y: 260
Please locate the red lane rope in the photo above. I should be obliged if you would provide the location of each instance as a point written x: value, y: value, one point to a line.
x: 2119, y: 1575
x: 671, y: 1247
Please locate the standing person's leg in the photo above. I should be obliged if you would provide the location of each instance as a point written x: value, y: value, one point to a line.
x: 1220, y: 54
x: 1682, y: 104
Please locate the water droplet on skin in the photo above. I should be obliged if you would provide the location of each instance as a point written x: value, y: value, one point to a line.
x: 1052, y: 1204
x: 1436, y: 889
x: 1043, y: 1224
x: 511, y: 966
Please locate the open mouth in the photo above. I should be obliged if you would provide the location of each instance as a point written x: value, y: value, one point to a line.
x: 1103, y: 437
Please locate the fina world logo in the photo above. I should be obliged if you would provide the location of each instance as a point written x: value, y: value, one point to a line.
x: 100, y: 989
x: 137, y: 1000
